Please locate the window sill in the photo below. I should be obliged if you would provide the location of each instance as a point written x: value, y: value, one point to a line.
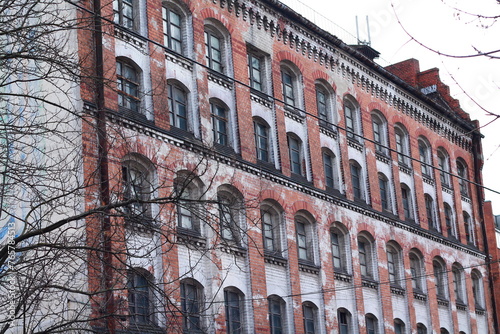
x: 355, y: 143
x: 447, y: 189
x: 129, y: 36
x: 383, y: 157
x: 143, y: 328
x: 419, y: 295
x: 308, y: 267
x: 190, y: 237
x: 461, y: 305
x: 140, y: 224
x: 275, y: 258
x: 232, y: 248
x: 220, y: 79
x: 178, y: 59
x: 341, y: 275
x: 328, y: 129
x: 405, y: 168
x: 397, y: 290
x: 442, y: 300
x: 368, y: 282
x: 294, y: 113
x: 427, y: 179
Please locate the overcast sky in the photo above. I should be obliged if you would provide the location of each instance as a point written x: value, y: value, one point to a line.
x: 443, y: 25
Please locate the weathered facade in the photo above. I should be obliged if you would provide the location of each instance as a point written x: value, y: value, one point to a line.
x: 315, y: 191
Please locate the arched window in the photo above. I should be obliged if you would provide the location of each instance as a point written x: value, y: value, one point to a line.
x: 231, y: 214
x: 189, y: 190
x: 128, y: 85
x: 366, y: 257
x: 325, y: 104
x: 371, y: 324
x: 125, y: 13
x: 430, y: 211
x: 178, y: 106
x: 329, y: 167
x: 424, y: 151
x: 291, y: 84
x: 444, y: 167
x: 263, y: 143
x: 339, y: 239
x: 233, y: 301
x: 277, y: 314
x: 463, y: 177
x: 357, y: 180
x: 385, y: 198
x: 407, y: 199
x: 394, y: 265
x: 217, y: 47
x: 477, y: 289
x: 440, y: 278
x: 344, y: 319
x: 399, y: 326
x: 191, y: 306
x: 417, y: 271
x: 272, y: 227
x: 140, y: 297
x: 450, y: 221
x: 469, y: 229
x: 220, y: 123
x: 175, y: 23
x: 402, y: 144
x: 421, y: 329
x: 379, y: 125
x: 310, y: 313
x: 137, y: 189
x: 305, y: 237
x: 458, y: 283
x: 352, y: 119
x: 295, y: 150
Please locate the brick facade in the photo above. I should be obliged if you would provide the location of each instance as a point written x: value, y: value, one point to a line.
x: 355, y: 242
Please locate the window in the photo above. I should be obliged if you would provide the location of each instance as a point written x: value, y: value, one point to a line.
x: 344, y: 319
x: 191, y: 298
x: 304, y: 239
x: 288, y: 84
x: 371, y: 324
x: 356, y: 180
x: 189, y: 189
x: 477, y: 289
x: 214, y: 50
x: 458, y: 283
x: 128, y: 86
x: 177, y: 104
x: 124, y: 13
x: 140, y: 300
x: 172, y: 29
x: 424, y: 152
x: 463, y: 178
x: 310, y: 317
x: 407, y: 202
x: 399, y: 327
x: 351, y: 120
x: 401, y: 145
x: 295, y: 151
x: 417, y: 273
x: 233, y: 300
x: 450, y: 223
x: 230, y: 215
x: 220, y: 124
x: 365, y: 258
x: 276, y: 314
x: 430, y: 211
x: 271, y: 227
x: 338, y: 240
x: 137, y: 189
x: 393, y: 265
x: 379, y: 132
x: 262, y: 141
x: 444, y: 168
x: 256, y: 72
x: 329, y: 169
x: 324, y: 105
x: 469, y: 234
x: 439, y: 279
x: 383, y: 184
x: 421, y: 329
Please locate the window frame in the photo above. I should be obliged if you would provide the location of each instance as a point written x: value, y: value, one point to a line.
x: 126, y: 21
x: 192, y: 321
x: 179, y: 108
x: 407, y: 201
x: 424, y: 152
x: 296, y: 154
x: 444, y: 167
x: 357, y: 180
x: 189, y: 190
x: 469, y: 228
x: 277, y: 321
x: 289, y: 87
x: 384, y: 188
x: 416, y: 272
x: 128, y: 87
x: 142, y: 192
x: 458, y: 287
x: 379, y: 127
x: 272, y: 230
x: 257, y: 82
x: 430, y: 210
x: 339, y: 242
x: 344, y: 327
x: 402, y: 145
x: 233, y: 304
x: 220, y: 114
x: 371, y: 324
x: 449, y: 218
x: 329, y: 169
x: 477, y: 289
x: 394, y: 265
x: 439, y: 273
x: 366, y: 258
x: 463, y: 177
x: 140, y: 315
x: 170, y: 41
x: 310, y: 317
x: 230, y: 217
x: 351, y: 119
x: 261, y: 138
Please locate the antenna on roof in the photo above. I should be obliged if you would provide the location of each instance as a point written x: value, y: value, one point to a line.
x: 363, y: 42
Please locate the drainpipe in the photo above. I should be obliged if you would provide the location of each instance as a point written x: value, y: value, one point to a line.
x: 108, y: 309
x: 478, y: 166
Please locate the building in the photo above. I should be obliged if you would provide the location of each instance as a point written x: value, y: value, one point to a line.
x: 258, y: 175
